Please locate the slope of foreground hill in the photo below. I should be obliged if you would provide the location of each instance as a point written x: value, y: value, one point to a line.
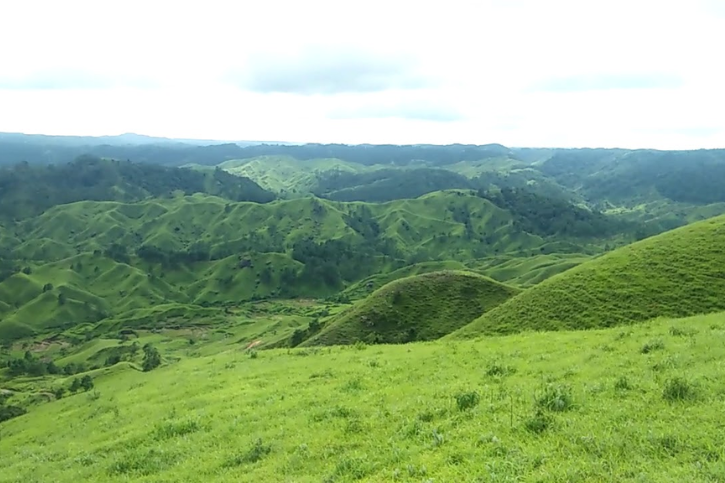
x: 421, y: 307
x: 566, y: 406
x: 675, y: 274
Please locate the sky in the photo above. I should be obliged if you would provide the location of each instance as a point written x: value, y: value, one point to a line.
x: 559, y: 73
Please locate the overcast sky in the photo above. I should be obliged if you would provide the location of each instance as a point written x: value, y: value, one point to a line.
x: 613, y: 73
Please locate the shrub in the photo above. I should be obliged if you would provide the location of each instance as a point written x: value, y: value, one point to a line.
x: 467, y: 400
x: 151, y: 358
x: 75, y: 385
x: 86, y: 383
x: 556, y: 398
x: 10, y: 412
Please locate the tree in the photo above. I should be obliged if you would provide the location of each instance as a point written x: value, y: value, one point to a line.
x: 265, y: 276
x: 86, y: 383
x: 298, y: 337
x: 61, y: 298
x: 47, y: 287
x: 59, y: 392
x: 151, y: 358
x: 75, y: 385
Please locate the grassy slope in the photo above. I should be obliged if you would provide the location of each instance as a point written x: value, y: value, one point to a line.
x: 527, y: 271
x: 389, y: 413
x: 420, y: 307
x: 96, y: 287
x: 368, y: 285
x: 59, y: 246
x: 424, y: 223
x: 285, y: 174
x: 678, y: 273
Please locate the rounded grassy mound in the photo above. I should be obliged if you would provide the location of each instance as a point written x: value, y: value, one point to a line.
x: 675, y: 274
x: 421, y: 307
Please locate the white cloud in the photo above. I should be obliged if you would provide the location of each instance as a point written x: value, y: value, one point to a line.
x: 519, y: 72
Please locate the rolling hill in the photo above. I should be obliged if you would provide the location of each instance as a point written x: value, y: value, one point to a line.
x: 675, y: 274
x: 420, y: 307
x: 27, y: 190
x: 201, y: 251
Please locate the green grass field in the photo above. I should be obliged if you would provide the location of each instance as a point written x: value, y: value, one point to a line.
x: 639, y: 404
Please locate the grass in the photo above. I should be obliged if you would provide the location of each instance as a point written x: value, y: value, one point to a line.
x: 424, y: 412
x: 287, y: 175
x: 419, y: 307
x: 675, y: 274
x: 366, y: 286
x: 527, y: 271
x: 65, y: 247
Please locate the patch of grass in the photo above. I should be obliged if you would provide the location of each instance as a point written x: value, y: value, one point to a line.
x: 652, y: 345
x: 255, y: 453
x: 173, y: 429
x: 539, y: 422
x: 498, y: 369
x: 623, y: 384
x: 680, y: 389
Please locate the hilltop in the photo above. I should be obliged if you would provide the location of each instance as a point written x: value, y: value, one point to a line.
x: 420, y: 307
x: 675, y: 274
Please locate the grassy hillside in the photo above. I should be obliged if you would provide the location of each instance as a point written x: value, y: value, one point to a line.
x: 420, y: 307
x: 29, y: 190
x: 678, y: 273
x: 368, y: 285
x: 527, y: 271
x: 200, y: 251
x: 565, y: 406
x: 287, y: 175
x: 444, y: 225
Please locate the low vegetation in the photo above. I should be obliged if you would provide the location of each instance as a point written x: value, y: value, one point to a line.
x: 530, y: 407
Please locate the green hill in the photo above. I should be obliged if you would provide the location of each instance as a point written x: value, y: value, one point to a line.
x: 675, y: 274
x: 420, y: 307
x: 287, y: 175
x: 368, y: 285
x: 201, y: 250
x: 29, y: 190
x: 526, y: 271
